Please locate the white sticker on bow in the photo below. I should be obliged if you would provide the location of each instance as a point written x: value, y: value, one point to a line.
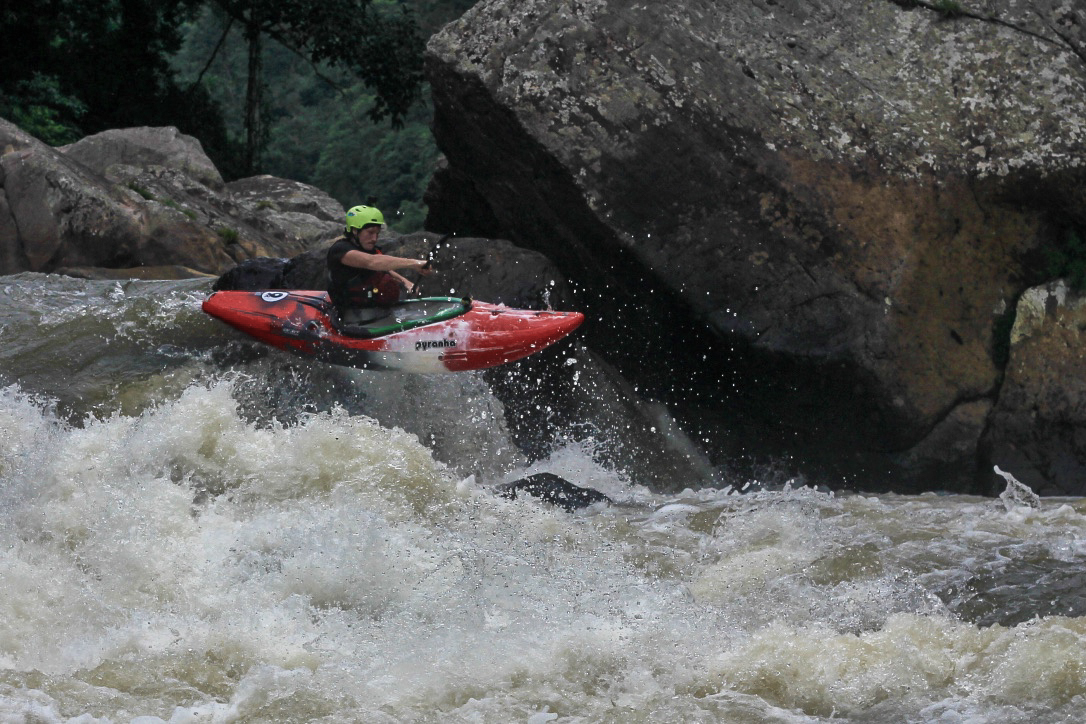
x: 273, y: 296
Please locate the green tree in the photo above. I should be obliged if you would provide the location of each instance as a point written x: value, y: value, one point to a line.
x: 73, y: 67
x: 318, y: 121
x: 360, y: 162
x: 336, y: 95
x: 38, y: 106
x: 378, y: 44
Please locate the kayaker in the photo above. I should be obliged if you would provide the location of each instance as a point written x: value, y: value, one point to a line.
x: 361, y: 277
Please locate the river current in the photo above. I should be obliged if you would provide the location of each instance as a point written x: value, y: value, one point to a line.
x: 193, y: 529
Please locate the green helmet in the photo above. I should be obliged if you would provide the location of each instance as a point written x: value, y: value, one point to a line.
x: 361, y: 216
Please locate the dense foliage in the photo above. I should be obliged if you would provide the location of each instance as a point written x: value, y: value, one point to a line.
x: 379, y: 44
x: 328, y: 92
x: 319, y: 119
x: 73, y: 67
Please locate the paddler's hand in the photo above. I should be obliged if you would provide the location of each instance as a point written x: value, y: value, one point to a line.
x: 427, y: 268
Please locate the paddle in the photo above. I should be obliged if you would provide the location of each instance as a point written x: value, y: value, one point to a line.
x: 429, y: 262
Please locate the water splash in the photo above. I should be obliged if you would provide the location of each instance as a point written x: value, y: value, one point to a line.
x: 1017, y: 495
x: 258, y: 541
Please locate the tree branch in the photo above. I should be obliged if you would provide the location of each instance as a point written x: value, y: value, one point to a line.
x: 301, y: 53
x: 214, y: 54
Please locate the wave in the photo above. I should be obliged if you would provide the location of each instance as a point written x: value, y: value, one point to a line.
x: 220, y: 533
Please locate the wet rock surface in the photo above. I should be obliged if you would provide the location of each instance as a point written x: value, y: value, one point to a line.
x: 553, y: 489
x: 145, y: 197
x: 834, y: 204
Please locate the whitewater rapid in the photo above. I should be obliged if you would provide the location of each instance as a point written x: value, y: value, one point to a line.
x: 214, y: 536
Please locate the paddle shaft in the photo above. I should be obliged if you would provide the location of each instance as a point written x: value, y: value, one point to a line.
x: 429, y: 262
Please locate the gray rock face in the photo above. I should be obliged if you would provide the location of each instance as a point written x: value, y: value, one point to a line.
x: 145, y: 198
x: 851, y: 192
x: 1038, y: 427
x: 57, y: 212
x: 493, y: 270
x: 141, y: 147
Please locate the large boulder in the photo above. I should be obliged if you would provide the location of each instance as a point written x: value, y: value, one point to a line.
x: 1038, y: 427
x: 145, y: 198
x: 57, y: 212
x: 142, y: 147
x: 847, y: 196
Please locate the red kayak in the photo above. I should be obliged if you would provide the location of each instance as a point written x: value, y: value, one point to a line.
x: 432, y: 334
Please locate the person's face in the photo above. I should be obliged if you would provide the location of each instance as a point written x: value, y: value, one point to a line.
x: 367, y: 237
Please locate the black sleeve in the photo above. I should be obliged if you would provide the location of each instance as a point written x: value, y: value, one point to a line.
x: 337, y: 251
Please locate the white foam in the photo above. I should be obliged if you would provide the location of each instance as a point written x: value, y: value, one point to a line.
x: 188, y: 564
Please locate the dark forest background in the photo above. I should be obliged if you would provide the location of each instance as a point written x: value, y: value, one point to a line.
x: 328, y: 92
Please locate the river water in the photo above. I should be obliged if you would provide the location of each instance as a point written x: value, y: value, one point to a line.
x: 193, y: 530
